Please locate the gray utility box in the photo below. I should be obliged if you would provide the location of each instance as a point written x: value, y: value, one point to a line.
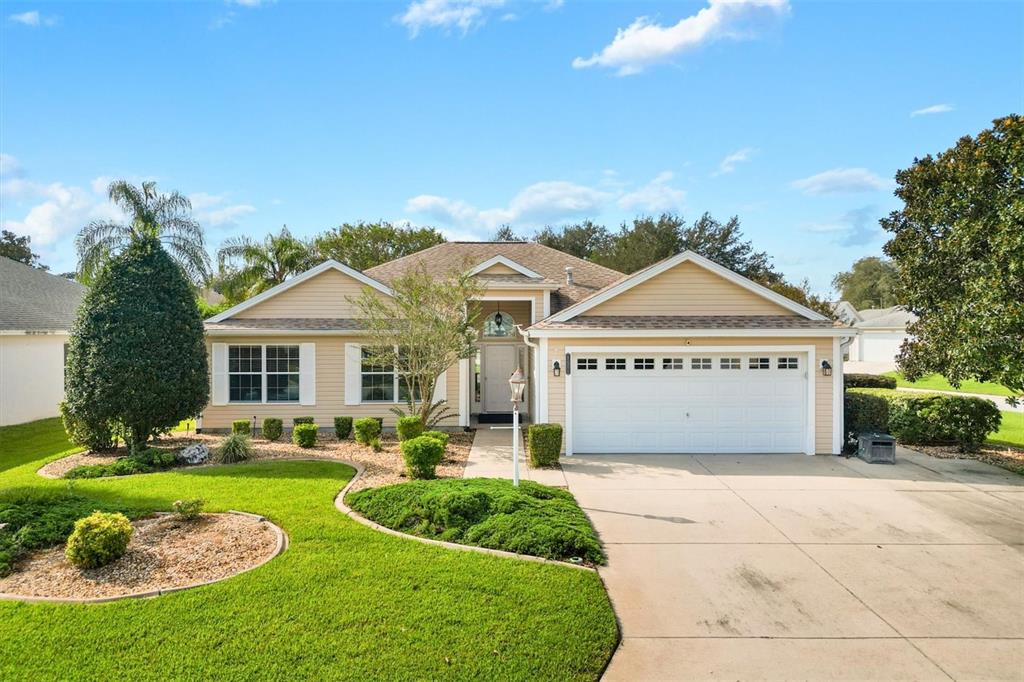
x: 877, y: 448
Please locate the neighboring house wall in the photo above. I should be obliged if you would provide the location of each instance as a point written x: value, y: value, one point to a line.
x: 325, y: 295
x: 31, y: 377
x: 877, y: 346
x: 688, y: 289
x: 823, y: 386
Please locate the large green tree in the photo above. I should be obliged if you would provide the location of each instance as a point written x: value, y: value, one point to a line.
x: 19, y: 249
x: 582, y: 240
x: 137, y: 357
x: 643, y: 242
x: 870, y: 283
x: 165, y: 217
x: 247, y: 267
x: 364, y: 245
x: 958, y: 247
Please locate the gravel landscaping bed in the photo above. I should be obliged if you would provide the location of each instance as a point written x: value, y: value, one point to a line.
x: 1009, y: 458
x: 164, y: 553
x: 381, y: 468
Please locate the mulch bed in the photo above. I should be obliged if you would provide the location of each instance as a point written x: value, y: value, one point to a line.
x: 1009, y: 458
x: 381, y: 468
x: 164, y: 553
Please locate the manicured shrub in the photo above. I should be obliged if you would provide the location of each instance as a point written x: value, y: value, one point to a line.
x: 422, y: 455
x: 864, y: 413
x: 98, y: 539
x: 96, y: 434
x: 366, y: 429
x: 304, y: 435
x: 342, y: 427
x: 241, y: 426
x: 544, y: 443
x: 868, y: 381
x: 375, y: 445
x: 303, y: 420
x: 235, y: 448
x: 440, y: 436
x: 188, y: 510
x: 144, y: 462
x: 409, y: 427
x: 272, y: 428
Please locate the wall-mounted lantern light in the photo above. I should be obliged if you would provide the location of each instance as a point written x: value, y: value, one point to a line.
x: 556, y: 369
x: 826, y: 368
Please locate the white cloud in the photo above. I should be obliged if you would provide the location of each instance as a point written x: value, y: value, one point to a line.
x: 212, y: 210
x: 9, y: 166
x: 446, y: 14
x: 250, y: 3
x: 657, y: 196
x: 933, y: 109
x: 857, y: 227
x: 62, y: 211
x: 840, y: 181
x: 552, y: 5
x: 644, y: 42
x: 729, y: 163
x: 33, y: 19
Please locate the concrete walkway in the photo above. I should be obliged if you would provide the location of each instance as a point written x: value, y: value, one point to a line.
x: 999, y: 400
x: 745, y: 567
x: 491, y: 457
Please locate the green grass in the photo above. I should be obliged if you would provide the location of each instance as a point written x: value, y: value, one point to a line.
x: 343, y: 602
x: 486, y: 512
x: 1011, y: 432
x: 937, y: 382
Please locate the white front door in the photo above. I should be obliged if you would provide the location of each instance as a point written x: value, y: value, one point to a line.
x: 499, y: 361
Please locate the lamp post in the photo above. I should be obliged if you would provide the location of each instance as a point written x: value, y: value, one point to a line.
x: 516, y: 383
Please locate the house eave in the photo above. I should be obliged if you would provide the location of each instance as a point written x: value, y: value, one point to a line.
x: 676, y: 333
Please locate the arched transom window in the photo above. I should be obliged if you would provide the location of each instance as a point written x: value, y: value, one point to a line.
x: 499, y: 324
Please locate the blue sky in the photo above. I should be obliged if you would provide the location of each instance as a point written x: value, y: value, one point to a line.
x: 466, y: 114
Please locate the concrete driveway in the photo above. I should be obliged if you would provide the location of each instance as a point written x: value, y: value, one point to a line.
x: 795, y: 567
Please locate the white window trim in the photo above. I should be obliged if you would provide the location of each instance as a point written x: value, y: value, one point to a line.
x: 396, y: 382
x: 263, y: 374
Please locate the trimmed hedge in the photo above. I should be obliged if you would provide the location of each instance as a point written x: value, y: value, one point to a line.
x: 440, y: 436
x: 936, y: 419
x: 303, y: 420
x: 544, y: 443
x: 241, y: 426
x: 409, y: 427
x: 422, y: 455
x: 864, y: 413
x: 342, y: 427
x: 366, y: 429
x: 868, y: 381
x: 144, y: 462
x: 272, y: 428
x: 304, y: 435
x: 98, y: 539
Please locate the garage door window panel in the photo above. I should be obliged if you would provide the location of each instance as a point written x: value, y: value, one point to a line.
x: 586, y: 364
x: 643, y: 363
x: 729, y: 363
x: 700, y: 363
x: 672, y: 363
x: 759, y: 363
x: 615, y: 363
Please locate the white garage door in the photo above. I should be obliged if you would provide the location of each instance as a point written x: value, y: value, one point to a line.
x: 692, y: 403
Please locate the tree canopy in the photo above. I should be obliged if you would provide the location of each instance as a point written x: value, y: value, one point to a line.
x: 364, y: 245
x: 583, y: 240
x: 19, y: 249
x: 247, y: 267
x: 958, y: 248
x: 137, y: 357
x: 870, y: 283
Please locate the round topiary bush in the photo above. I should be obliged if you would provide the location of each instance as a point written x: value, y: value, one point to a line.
x: 409, y: 427
x: 304, y: 435
x: 366, y: 429
x: 422, y: 455
x: 272, y: 428
x: 342, y: 427
x: 439, y: 436
x: 98, y: 539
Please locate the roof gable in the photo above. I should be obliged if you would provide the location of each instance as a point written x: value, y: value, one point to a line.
x: 774, y: 303
x: 500, y: 265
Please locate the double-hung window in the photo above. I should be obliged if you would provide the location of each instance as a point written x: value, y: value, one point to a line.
x: 380, y: 383
x: 282, y: 374
x: 245, y: 374
x: 258, y: 374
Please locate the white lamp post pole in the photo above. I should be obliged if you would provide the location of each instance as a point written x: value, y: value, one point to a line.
x: 516, y: 382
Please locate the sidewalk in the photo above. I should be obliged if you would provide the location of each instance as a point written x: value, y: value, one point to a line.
x: 491, y: 457
x: 1000, y: 401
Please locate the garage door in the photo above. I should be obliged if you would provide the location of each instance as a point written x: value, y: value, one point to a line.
x: 689, y: 403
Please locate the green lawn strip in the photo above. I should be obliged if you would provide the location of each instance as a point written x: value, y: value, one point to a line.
x: 937, y: 382
x: 343, y: 602
x: 40, y: 441
x: 487, y: 512
x: 1011, y: 431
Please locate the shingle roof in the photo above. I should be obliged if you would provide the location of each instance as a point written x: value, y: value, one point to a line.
x: 640, y: 322
x: 894, y: 317
x: 587, y: 277
x: 286, y: 323
x: 34, y: 300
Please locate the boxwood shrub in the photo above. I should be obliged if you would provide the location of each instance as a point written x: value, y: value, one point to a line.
x: 409, y: 427
x: 98, y: 539
x: 272, y: 428
x: 342, y: 427
x: 304, y: 435
x: 366, y: 429
x: 303, y: 420
x: 544, y: 443
x: 241, y: 426
x: 868, y: 381
x: 440, y: 436
x: 422, y: 455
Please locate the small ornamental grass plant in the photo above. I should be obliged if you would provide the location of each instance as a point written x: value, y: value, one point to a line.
x: 272, y: 428
x: 304, y: 435
x: 235, y: 448
x: 366, y: 429
x: 98, y: 539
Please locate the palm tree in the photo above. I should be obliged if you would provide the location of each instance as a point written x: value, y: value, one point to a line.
x: 248, y: 267
x: 166, y: 217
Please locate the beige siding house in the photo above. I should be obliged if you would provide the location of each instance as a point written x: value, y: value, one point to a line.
x: 682, y: 357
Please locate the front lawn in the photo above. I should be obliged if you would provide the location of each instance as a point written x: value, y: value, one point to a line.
x: 937, y: 382
x: 343, y: 602
x: 1011, y: 431
x: 487, y: 512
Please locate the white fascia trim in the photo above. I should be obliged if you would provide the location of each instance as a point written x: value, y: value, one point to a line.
x: 542, y: 380
x: 837, y: 396
x: 298, y: 279
x: 284, y: 332
x: 530, y: 286
x: 655, y: 270
x: 34, y: 332
x: 547, y: 305
x: 684, y: 333
x: 507, y: 262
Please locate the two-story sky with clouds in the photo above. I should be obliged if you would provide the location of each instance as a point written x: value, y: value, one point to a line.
x: 469, y: 114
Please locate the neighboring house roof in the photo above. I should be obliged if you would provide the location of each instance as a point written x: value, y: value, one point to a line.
x: 549, y: 263
x: 845, y: 311
x: 34, y: 300
x: 895, y: 317
x: 321, y: 324
x: 639, y: 322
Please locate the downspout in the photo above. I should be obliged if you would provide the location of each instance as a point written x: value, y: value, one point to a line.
x: 536, y: 370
